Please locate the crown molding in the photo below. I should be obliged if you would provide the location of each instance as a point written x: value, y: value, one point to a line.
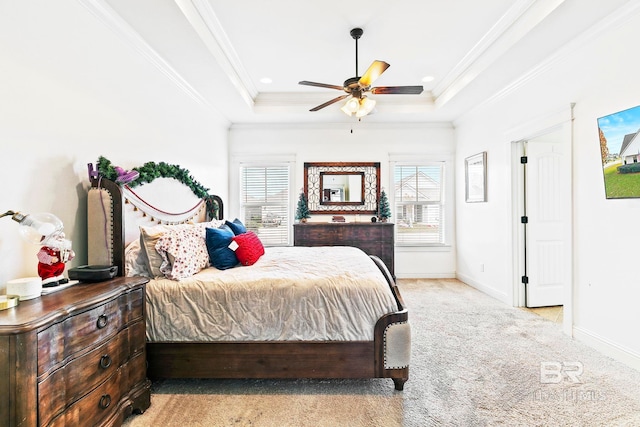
x: 204, y: 21
x: 342, y: 126
x: 521, y: 18
x: 285, y: 102
x: 611, y: 21
x: 112, y: 20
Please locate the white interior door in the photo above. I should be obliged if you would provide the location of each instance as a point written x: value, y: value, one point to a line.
x: 547, y: 197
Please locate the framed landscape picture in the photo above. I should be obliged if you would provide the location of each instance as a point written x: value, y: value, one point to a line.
x: 620, y: 153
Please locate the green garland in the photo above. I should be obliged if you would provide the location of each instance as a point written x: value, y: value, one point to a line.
x: 151, y: 170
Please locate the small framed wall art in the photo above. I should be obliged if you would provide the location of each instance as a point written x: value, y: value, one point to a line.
x: 475, y: 170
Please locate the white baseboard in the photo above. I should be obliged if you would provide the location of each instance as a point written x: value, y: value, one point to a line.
x: 603, y: 345
x: 426, y: 276
x: 607, y: 347
x: 500, y: 296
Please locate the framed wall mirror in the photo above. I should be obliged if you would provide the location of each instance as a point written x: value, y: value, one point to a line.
x: 342, y: 187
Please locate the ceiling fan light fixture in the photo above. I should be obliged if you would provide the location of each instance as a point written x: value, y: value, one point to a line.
x: 351, y: 106
x: 366, y: 106
x: 358, y: 106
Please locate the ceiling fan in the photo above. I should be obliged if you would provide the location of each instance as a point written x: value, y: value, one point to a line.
x: 356, y: 87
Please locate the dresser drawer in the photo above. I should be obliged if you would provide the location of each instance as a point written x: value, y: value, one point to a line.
x: 137, y: 370
x: 80, y: 332
x: 67, y: 384
x: 95, y: 406
x: 105, y: 400
x: 373, y: 238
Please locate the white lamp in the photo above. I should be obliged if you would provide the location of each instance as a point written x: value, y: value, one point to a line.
x: 45, y: 229
x: 365, y: 107
x: 37, y: 228
x: 351, y: 106
x: 358, y: 106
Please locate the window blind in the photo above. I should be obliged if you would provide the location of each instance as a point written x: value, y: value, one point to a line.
x: 264, y: 202
x: 419, y: 204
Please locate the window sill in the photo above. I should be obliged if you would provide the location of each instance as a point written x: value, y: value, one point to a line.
x: 423, y: 248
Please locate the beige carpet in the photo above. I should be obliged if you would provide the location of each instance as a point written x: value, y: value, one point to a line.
x: 475, y: 362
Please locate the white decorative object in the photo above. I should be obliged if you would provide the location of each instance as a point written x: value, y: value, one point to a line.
x: 26, y: 288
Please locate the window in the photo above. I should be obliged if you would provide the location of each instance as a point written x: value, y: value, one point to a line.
x: 419, y: 203
x: 264, y: 202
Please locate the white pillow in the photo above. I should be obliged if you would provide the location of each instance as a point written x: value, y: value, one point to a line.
x: 135, y: 261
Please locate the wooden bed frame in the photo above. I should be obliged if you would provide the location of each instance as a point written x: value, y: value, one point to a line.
x: 286, y: 359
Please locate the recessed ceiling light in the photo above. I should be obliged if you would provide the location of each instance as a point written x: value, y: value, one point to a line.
x: 427, y: 79
x: 266, y: 80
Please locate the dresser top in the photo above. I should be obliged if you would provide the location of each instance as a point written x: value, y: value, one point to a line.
x: 37, y: 312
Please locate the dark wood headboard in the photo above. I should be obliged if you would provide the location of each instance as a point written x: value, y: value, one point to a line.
x: 107, y: 221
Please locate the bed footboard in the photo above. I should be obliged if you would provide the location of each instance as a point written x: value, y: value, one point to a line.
x: 392, y: 337
x: 307, y: 359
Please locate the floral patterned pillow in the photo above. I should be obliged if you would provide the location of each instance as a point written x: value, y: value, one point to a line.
x: 183, y: 252
x: 149, y: 236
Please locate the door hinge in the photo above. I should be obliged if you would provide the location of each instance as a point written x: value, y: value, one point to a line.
x: 523, y: 159
x: 525, y: 279
x: 524, y: 219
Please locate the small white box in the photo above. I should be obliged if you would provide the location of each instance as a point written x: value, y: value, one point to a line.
x: 26, y: 288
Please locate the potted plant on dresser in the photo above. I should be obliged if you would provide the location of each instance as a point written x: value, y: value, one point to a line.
x: 302, y: 211
x: 384, y: 212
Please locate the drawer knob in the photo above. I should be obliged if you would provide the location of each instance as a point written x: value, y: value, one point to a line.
x: 105, y: 401
x: 105, y: 361
x: 102, y: 321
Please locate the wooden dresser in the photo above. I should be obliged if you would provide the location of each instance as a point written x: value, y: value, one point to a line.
x: 75, y: 357
x: 375, y: 238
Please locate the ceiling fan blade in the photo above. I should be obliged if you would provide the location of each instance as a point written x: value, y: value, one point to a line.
x: 372, y: 73
x: 306, y: 83
x: 400, y: 90
x: 333, y: 101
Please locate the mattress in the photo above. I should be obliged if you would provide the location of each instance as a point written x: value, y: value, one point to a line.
x: 291, y: 294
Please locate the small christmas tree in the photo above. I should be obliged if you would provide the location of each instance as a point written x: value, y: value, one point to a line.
x: 302, y: 212
x: 384, y: 212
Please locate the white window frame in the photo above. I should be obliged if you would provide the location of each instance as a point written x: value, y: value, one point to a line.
x: 448, y: 191
x: 237, y: 206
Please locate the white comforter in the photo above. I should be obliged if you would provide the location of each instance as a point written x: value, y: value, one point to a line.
x: 291, y: 293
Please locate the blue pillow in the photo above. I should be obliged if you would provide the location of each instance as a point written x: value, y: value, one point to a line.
x: 218, y: 240
x: 236, y: 226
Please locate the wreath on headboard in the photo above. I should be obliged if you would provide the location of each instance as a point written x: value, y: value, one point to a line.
x: 151, y: 170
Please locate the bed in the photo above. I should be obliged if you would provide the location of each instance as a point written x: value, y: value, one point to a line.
x: 287, y: 315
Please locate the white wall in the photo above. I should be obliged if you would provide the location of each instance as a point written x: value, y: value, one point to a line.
x: 45, y: 170
x: 65, y: 100
x: 367, y: 143
x: 598, y: 75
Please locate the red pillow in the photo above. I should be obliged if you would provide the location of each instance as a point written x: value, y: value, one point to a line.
x: 249, y: 248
